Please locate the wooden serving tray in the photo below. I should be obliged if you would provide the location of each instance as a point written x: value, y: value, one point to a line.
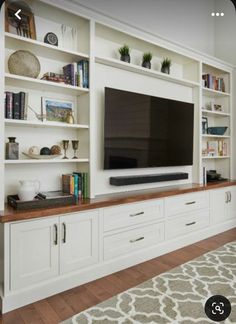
x: 40, y: 202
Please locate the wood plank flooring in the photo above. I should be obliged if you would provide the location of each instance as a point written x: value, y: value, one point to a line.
x: 57, y: 308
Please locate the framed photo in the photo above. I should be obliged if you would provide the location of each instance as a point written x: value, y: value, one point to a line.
x: 204, y: 125
x: 24, y: 27
x: 56, y: 110
x: 218, y: 108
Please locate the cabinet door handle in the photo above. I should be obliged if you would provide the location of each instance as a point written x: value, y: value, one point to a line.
x: 230, y: 196
x: 190, y: 203
x: 137, y: 214
x: 189, y: 224
x: 64, y: 233
x: 227, y: 197
x: 55, y: 234
x: 138, y: 239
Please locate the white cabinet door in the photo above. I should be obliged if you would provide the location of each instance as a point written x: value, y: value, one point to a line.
x: 79, y: 241
x: 218, y: 205
x: 231, y: 206
x: 33, y: 252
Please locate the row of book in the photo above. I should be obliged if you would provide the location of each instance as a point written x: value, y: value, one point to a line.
x: 212, y: 82
x: 76, y: 184
x: 15, y: 105
x: 215, y: 148
x: 77, y: 73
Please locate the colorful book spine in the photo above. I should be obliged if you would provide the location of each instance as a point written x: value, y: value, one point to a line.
x: 66, y: 183
x: 9, y: 105
x: 16, y: 105
x: 76, y: 185
x: 22, y: 105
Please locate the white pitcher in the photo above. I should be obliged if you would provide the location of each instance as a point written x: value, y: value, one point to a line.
x: 28, y: 189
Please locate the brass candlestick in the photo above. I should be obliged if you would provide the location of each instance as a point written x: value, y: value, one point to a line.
x: 65, y: 144
x: 75, y: 145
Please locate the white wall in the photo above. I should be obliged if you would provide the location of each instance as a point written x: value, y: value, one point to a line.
x: 225, y: 28
x: 184, y: 21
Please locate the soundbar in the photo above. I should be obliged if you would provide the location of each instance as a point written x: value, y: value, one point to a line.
x: 150, y: 178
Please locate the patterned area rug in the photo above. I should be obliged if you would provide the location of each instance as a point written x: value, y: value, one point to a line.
x: 174, y: 297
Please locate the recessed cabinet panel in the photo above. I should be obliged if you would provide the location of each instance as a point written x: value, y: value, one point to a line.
x: 187, y: 223
x: 33, y: 252
x: 132, y: 214
x: 133, y: 240
x: 186, y: 203
x: 223, y: 204
x: 79, y: 241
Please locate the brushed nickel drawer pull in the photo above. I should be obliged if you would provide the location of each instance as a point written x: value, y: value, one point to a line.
x: 137, y: 214
x: 64, y: 233
x: 189, y: 224
x: 138, y: 239
x: 190, y: 203
x: 56, y: 234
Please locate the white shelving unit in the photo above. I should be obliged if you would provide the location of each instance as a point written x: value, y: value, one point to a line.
x: 223, y: 164
x: 32, y: 131
x: 99, y: 43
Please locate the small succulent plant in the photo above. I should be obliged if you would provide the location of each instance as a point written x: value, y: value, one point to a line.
x: 147, y: 57
x: 124, y: 50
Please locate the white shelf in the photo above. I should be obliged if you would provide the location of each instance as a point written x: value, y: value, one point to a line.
x: 28, y: 123
x: 215, y: 157
x: 216, y: 136
x: 213, y: 93
x: 141, y: 70
x: 43, y: 85
x: 47, y: 48
x: 215, y: 113
x: 29, y: 161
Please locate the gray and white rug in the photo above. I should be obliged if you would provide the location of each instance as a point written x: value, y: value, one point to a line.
x: 174, y: 297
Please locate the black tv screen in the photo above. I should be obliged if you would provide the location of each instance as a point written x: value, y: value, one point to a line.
x: 142, y: 131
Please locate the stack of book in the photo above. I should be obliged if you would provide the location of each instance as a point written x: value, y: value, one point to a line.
x: 215, y: 148
x: 15, y: 105
x: 77, y: 73
x: 76, y: 184
x: 212, y: 82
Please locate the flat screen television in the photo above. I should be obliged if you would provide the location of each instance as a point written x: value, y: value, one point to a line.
x: 142, y: 131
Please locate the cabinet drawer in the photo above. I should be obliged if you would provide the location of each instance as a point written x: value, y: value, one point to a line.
x: 133, y: 240
x: 132, y: 214
x: 186, y: 203
x: 186, y: 224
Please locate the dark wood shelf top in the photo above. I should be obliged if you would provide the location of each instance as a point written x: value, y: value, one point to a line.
x: 11, y: 215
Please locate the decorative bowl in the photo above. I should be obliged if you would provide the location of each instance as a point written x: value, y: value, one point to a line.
x: 218, y: 130
x: 24, y: 63
x: 41, y: 157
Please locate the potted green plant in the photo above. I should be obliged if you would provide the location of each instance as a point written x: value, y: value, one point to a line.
x: 147, y: 57
x: 165, y: 65
x: 125, y: 53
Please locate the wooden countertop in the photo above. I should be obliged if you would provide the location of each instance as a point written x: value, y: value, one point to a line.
x: 10, y: 214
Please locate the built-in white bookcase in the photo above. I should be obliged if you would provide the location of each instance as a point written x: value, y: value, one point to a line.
x: 98, y: 40
x: 210, y: 98
x: 74, y: 45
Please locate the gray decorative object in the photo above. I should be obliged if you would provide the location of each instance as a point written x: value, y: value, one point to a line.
x: 24, y: 63
x: 12, y: 149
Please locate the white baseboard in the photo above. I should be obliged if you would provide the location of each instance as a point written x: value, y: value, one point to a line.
x: 21, y: 298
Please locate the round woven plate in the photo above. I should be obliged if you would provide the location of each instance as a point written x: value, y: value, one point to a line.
x: 24, y: 63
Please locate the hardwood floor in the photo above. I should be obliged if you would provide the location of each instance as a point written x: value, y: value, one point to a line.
x: 64, y: 305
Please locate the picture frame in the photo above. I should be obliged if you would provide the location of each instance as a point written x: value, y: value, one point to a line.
x: 24, y: 27
x: 56, y: 110
x: 204, y: 125
x: 218, y: 108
